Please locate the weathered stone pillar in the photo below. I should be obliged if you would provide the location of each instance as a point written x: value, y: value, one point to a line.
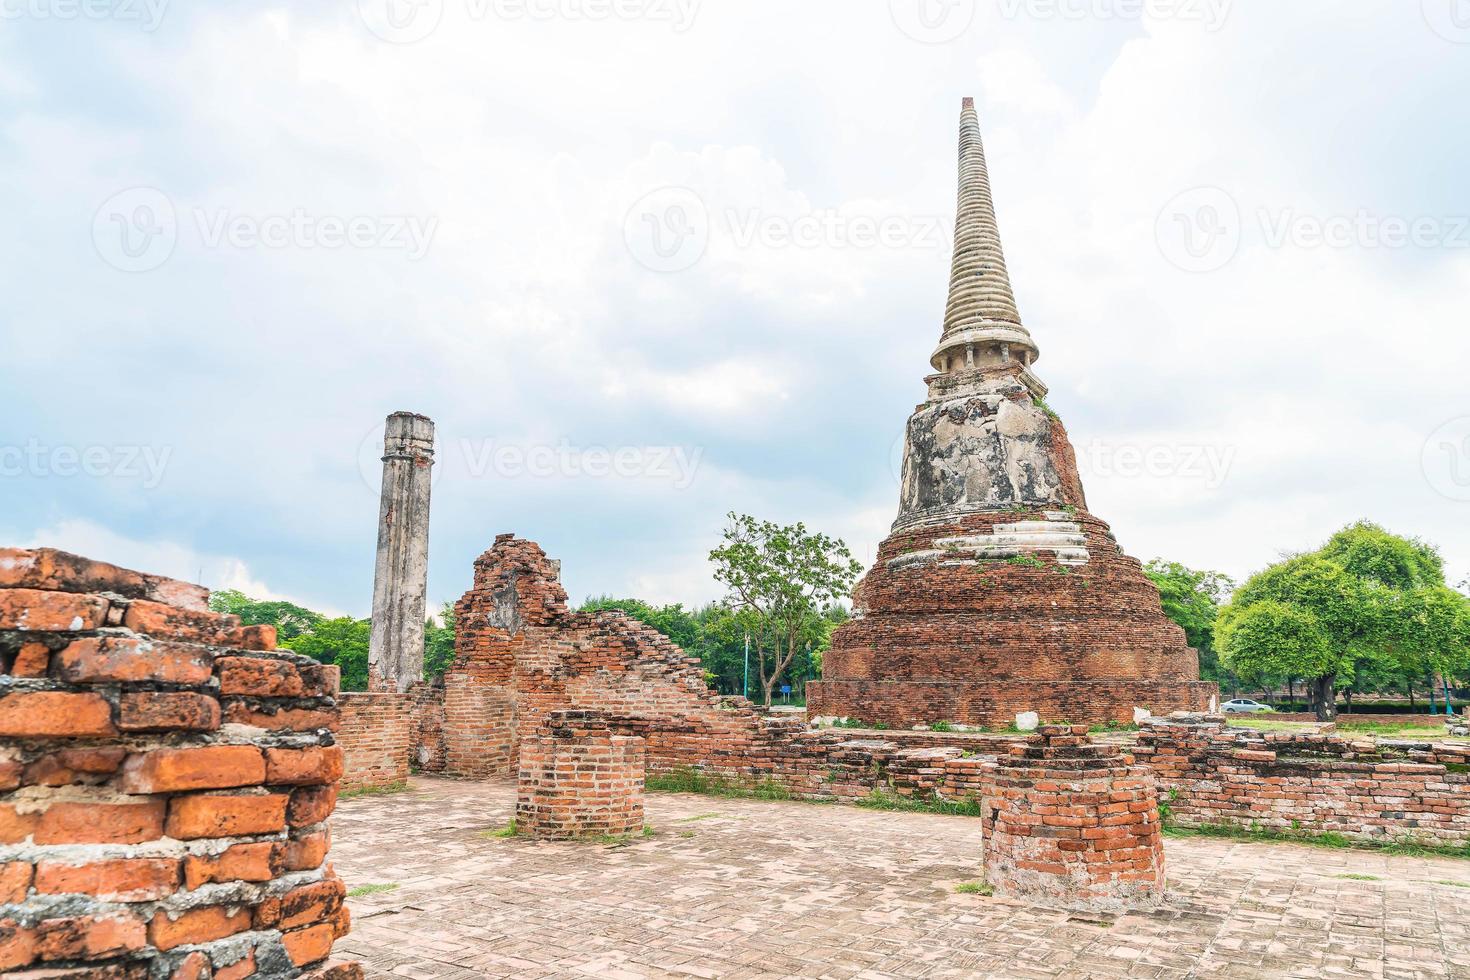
x: 580, y: 779
x: 396, y: 651
x: 1073, y: 823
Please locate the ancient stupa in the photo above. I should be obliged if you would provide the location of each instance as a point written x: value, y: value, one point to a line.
x: 997, y: 592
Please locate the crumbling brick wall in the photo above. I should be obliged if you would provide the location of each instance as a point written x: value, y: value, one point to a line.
x: 579, y: 778
x: 1210, y: 773
x: 1074, y: 822
x: 376, y: 737
x: 165, y: 781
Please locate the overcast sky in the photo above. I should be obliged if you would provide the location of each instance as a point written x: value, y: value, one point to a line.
x: 648, y: 261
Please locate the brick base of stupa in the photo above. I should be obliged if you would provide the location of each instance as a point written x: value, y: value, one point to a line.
x: 952, y: 628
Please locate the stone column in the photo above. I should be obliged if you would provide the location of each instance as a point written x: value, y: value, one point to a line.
x: 396, y: 651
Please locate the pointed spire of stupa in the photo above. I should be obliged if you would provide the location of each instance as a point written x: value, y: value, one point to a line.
x: 982, y: 326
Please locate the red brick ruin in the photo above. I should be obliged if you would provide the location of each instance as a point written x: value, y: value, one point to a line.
x: 1073, y: 823
x: 997, y: 592
x: 167, y: 775
x: 579, y: 778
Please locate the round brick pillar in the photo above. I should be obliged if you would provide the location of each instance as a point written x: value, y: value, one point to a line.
x: 1073, y: 823
x: 578, y: 778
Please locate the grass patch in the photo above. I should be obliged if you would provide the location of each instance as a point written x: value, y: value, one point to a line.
x: 1026, y: 561
x: 688, y: 780
x: 1113, y: 726
x: 879, y: 800
x: 699, y: 816
x: 398, y: 787
x: 1389, y: 729
x: 1265, y: 723
x: 975, y: 888
x: 1357, y: 877
x: 686, y: 833
x: 362, y: 890
x: 509, y: 830
x: 1262, y: 835
x: 1453, y: 884
x: 941, y: 726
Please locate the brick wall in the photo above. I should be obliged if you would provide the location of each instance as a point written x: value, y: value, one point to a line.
x: 1210, y: 773
x: 1073, y: 822
x: 579, y: 778
x: 377, y: 736
x: 165, y: 781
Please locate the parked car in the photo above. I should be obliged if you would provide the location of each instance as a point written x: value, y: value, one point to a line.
x: 1245, y: 705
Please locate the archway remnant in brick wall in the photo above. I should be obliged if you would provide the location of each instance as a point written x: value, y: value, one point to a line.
x: 579, y: 777
x: 1074, y: 823
x: 166, y: 775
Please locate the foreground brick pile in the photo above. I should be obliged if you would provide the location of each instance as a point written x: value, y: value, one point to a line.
x: 1317, y: 783
x: 167, y: 775
x: 580, y: 778
x: 1070, y: 822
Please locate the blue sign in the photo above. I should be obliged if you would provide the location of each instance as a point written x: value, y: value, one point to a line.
x: 785, y: 688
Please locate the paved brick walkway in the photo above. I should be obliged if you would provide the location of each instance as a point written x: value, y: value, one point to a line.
x: 739, y: 888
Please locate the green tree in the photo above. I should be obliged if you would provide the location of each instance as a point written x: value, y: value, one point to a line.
x: 1192, y: 599
x: 439, y: 643
x: 342, y: 641
x: 289, y: 619
x: 787, y: 576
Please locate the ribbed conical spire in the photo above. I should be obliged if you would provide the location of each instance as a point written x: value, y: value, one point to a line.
x: 981, y: 313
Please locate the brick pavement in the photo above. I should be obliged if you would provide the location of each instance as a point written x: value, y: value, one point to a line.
x: 760, y: 889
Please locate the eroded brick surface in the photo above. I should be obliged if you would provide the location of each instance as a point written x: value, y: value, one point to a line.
x: 141, y: 837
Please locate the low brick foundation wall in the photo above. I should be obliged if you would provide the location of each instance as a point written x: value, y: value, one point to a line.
x: 579, y: 778
x: 165, y: 781
x: 376, y: 738
x: 1071, y: 822
x: 1209, y: 773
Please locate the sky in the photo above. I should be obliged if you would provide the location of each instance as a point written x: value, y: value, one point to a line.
x: 647, y: 262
